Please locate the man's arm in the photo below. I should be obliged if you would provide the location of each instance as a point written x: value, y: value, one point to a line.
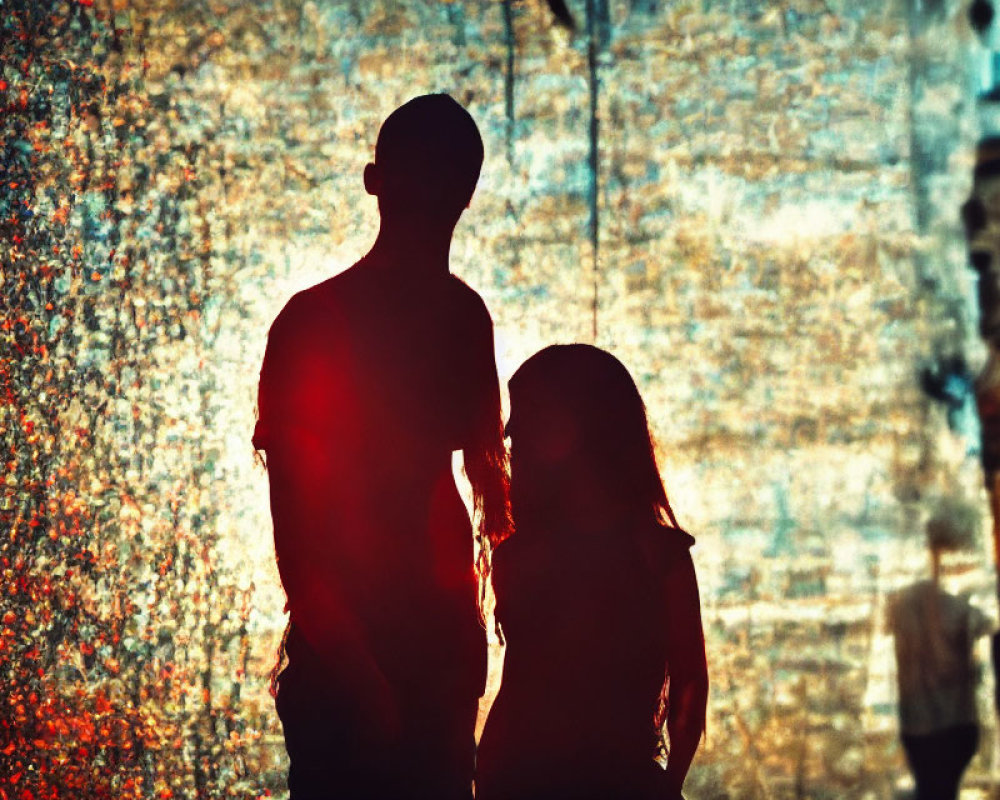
x: 483, y: 453
x: 296, y: 398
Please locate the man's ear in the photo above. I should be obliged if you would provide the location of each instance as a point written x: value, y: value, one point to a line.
x: 468, y: 204
x: 373, y: 179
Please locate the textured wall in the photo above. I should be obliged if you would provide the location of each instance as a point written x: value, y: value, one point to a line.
x: 779, y: 255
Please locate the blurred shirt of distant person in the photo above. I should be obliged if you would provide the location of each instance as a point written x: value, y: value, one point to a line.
x: 934, y: 634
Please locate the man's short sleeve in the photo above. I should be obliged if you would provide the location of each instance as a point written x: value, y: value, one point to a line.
x: 296, y: 378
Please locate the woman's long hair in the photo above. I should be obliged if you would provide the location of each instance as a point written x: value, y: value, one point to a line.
x: 578, y: 411
x: 588, y: 397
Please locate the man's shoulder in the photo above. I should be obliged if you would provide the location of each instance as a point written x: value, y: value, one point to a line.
x: 461, y: 289
x: 309, y: 306
x: 466, y: 299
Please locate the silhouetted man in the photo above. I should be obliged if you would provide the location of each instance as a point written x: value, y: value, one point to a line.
x: 370, y: 381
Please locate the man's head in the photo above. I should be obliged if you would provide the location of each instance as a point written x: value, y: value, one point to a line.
x: 954, y: 526
x: 427, y: 160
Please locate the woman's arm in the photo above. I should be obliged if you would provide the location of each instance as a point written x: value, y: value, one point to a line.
x: 688, y: 671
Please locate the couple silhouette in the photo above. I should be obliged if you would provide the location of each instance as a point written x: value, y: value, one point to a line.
x: 370, y: 381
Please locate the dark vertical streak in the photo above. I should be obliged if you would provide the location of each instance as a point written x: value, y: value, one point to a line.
x: 456, y: 16
x: 592, y: 192
x: 917, y: 165
x: 508, y: 77
x: 602, y: 11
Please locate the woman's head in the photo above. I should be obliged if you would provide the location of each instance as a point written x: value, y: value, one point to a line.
x: 579, y: 436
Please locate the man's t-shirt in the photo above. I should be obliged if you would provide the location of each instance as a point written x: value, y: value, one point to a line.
x: 367, y: 387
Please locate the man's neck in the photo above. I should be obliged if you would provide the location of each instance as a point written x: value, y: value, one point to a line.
x: 412, y: 249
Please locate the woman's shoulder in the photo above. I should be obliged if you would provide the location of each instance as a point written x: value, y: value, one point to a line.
x: 664, y: 545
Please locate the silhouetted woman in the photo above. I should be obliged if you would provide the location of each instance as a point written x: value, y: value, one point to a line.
x: 596, y: 597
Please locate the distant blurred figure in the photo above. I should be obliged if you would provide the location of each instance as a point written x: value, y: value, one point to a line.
x: 934, y: 634
x: 597, y: 597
